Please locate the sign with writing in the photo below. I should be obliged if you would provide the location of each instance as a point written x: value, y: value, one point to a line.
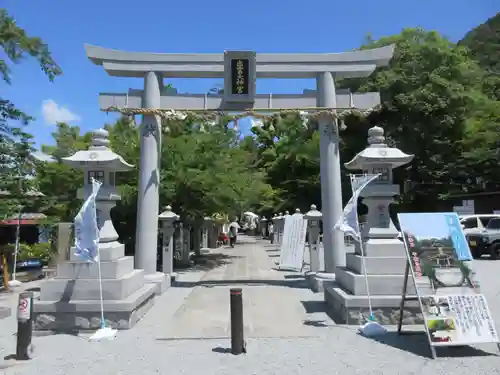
x: 458, y: 319
x: 293, y: 245
x: 240, y: 77
x: 148, y: 129
x: 24, y: 310
x: 454, y: 311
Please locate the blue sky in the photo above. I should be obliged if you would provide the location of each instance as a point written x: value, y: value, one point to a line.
x: 201, y: 26
x: 425, y: 225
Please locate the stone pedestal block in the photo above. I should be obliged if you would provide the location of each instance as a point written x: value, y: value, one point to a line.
x: 346, y: 308
x: 71, y: 301
x: 385, y: 263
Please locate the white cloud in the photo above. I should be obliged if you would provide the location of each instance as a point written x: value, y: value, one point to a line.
x: 54, y: 113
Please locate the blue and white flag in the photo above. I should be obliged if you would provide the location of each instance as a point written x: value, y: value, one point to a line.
x: 349, y: 223
x: 86, y: 228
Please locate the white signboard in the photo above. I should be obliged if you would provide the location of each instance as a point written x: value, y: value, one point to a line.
x: 458, y: 320
x: 293, y: 245
x: 454, y: 311
x: 24, y: 309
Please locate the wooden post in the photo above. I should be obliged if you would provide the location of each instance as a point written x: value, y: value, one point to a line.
x: 5, y: 272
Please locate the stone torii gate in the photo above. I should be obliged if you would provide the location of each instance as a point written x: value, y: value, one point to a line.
x: 240, y: 69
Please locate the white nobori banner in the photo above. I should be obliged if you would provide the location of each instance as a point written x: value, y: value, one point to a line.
x: 293, y: 245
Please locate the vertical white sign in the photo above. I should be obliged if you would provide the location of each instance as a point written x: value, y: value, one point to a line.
x: 294, y: 239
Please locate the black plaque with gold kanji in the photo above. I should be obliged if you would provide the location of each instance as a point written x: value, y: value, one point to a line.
x: 240, y: 74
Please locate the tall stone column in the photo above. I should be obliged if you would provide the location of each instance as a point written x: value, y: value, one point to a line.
x: 149, y: 179
x: 331, y: 188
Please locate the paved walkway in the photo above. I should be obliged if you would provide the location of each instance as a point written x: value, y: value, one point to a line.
x: 275, y: 303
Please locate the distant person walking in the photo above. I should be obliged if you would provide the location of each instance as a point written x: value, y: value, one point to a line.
x: 271, y: 232
x: 233, y: 232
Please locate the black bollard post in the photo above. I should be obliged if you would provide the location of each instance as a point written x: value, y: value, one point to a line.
x: 24, y: 326
x: 237, y: 336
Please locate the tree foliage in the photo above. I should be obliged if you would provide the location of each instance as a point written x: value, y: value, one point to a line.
x: 484, y: 44
x: 204, y: 171
x: 429, y: 91
x: 16, y: 145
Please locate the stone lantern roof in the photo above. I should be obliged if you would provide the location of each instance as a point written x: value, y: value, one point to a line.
x: 98, y: 155
x: 377, y: 152
x: 168, y: 214
x: 313, y: 213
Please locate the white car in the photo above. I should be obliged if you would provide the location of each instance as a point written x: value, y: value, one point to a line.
x: 472, y: 224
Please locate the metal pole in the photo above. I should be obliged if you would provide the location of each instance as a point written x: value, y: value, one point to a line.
x: 237, y: 335
x: 16, y: 249
x: 24, y: 326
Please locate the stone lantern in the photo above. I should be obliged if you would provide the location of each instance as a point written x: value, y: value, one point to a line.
x: 72, y: 299
x: 374, y: 159
x: 274, y: 238
x: 205, y: 229
x: 280, y: 220
x: 314, y: 218
x: 167, y: 219
x: 100, y: 163
x: 385, y: 256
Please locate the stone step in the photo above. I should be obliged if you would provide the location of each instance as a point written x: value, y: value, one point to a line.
x: 381, y: 247
x: 334, y: 291
x: 346, y: 308
x: 90, y: 270
x: 107, y: 252
x: 354, y: 283
x: 376, y: 266
x: 84, y: 315
x: 88, y: 289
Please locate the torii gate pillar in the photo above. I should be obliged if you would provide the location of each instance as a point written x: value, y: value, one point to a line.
x: 146, y: 240
x: 331, y: 185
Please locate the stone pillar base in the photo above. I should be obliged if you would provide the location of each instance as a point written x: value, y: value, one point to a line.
x: 58, y: 316
x: 161, y: 281
x: 318, y: 280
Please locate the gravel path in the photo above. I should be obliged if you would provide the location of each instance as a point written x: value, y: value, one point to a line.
x: 287, y: 331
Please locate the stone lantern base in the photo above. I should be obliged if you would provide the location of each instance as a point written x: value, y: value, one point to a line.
x: 385, y: 261
x: 71, y: 301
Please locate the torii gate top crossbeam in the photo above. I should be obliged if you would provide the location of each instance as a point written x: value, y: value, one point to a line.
x: 211, y: 65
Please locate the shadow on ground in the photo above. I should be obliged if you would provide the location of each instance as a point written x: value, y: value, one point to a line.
x: 300, y: 284
x: 316, y: 307
x: 207, y: 262
x: 417, y: 343
x: 313, y: 307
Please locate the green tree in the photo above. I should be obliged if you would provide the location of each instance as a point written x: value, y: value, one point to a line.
x: 204, y: 171
x: 483, y: 43
x: 429, y: 92
x: 289, y: 154
x: 58, y: 181
x: 15, y: 144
